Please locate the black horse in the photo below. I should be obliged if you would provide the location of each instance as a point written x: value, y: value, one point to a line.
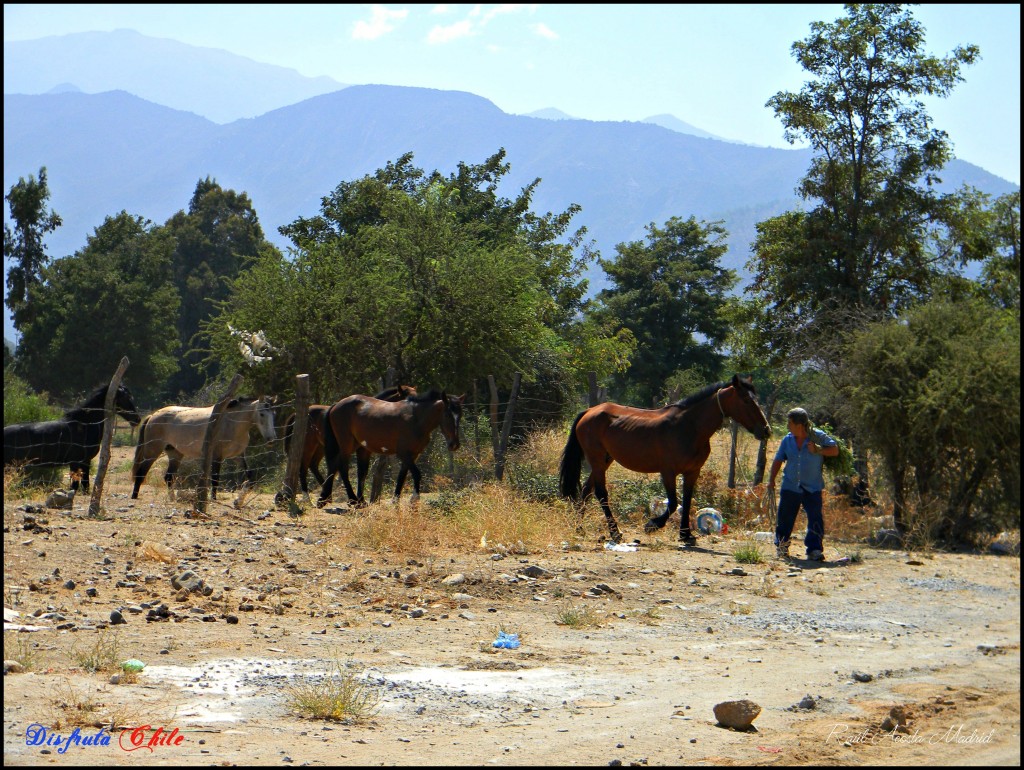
x: 72, y: 440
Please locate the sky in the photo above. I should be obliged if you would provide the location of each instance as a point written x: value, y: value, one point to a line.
x: 713, y: 66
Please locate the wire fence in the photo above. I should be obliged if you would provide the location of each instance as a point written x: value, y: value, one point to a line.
x: 267, y: 461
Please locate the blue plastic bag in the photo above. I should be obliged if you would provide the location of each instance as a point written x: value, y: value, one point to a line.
x: 506, y: 641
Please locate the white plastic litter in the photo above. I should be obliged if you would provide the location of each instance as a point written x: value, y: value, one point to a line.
x: 623, y: 547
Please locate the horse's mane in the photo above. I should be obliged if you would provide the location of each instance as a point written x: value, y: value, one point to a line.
x: 431, y: 395
x: 95, y: 400
x: 710, y: 390
x: 700, y: 395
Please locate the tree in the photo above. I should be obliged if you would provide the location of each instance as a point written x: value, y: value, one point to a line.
x: 936, y: 394
x: 433, y: 276
x: 863, y: 249
x: 113, y: 298
x: 23, y: 246
x: 669, y: 293
x: 215, y: 239
x: 875, y: 161
x: 1001, y: 271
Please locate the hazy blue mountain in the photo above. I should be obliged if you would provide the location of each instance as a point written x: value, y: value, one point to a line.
x: 550, y: 113
x: 672, y: 123
x: 112, y: 151
x: 217, y: 84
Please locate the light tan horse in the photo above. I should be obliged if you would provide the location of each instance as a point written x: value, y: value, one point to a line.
x: 180, y: 431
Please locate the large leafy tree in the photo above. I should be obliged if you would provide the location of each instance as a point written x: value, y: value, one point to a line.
x: 110, y: 299
x: 214, y: 239
x: 669, y: 291
x: 870, y: 187
x: 436, y: 277
x: 864, y: 247
x: 936, y: 394
x: 23, y: 244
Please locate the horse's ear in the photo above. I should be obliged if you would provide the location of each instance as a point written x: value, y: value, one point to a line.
x: 736, y: 383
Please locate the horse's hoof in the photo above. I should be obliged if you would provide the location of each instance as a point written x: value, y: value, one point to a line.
x: 652, y: 526
x: 688, y: 540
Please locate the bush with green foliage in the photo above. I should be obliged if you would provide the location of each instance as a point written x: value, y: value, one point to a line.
x: 21, y: 404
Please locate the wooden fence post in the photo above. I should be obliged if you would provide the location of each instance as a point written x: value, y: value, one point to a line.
x: 592, y: 389
x: 499, y: 468
x: 215, y: 415
x: 734, y: 433
x: 108, y: 432
x: 495, y: 432
x: 299, y: 428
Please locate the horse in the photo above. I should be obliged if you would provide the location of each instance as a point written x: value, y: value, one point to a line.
x: 72, y: 440
x: 180, y: 431
x: 313, y: 445
x: 673, y: 440
x: 366, y: 426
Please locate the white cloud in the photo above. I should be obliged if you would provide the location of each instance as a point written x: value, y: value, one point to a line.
x: 504, y: 8
x: 379, y: 23
x: 543, y: 30
x: 440, y: 35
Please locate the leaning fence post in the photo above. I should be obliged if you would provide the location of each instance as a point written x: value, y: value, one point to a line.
x: 299, y: 427
x: 507, y: 427
x: 108, y: 432
x: 495, y: 432
x: 215, y: 415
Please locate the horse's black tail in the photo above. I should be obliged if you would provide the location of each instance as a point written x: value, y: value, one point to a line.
x: 569, y: 470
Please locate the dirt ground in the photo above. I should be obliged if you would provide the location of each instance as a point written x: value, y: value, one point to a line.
x: 827, y: 650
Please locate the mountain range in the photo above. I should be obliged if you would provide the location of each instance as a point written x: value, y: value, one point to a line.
x: 136, y: 127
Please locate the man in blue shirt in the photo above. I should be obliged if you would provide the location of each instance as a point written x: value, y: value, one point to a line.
x: 803, y: 451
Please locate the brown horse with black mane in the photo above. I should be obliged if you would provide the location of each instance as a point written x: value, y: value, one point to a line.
x: 673, y: 440
x: 313, y: 444
x: 365, y: 426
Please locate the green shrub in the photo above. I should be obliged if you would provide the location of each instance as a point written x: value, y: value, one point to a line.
x: 22, y: 405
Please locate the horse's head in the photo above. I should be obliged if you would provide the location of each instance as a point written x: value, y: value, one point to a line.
x: 124, y: 405
x: 742, y: 406
x: 265, y: 417
x: 451, y: 418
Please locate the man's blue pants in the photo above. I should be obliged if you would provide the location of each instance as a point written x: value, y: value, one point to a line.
x: 789, y: 507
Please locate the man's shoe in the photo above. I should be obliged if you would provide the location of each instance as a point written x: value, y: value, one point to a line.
x: 782, y: 550
x: 816, y: 556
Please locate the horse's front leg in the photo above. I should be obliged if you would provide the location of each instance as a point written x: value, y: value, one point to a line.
x: 250, y: 473
x: 172, y: 469
x: 405, y: 464
x: 414, y: 469
x: 79, y: 474
x: 689, y: 485
x: 327, y: 485
x: 214, y: 478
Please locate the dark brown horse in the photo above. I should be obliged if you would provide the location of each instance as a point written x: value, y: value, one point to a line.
x: 365, y: 426
x: 313, y: 444
x: 673, y: 440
